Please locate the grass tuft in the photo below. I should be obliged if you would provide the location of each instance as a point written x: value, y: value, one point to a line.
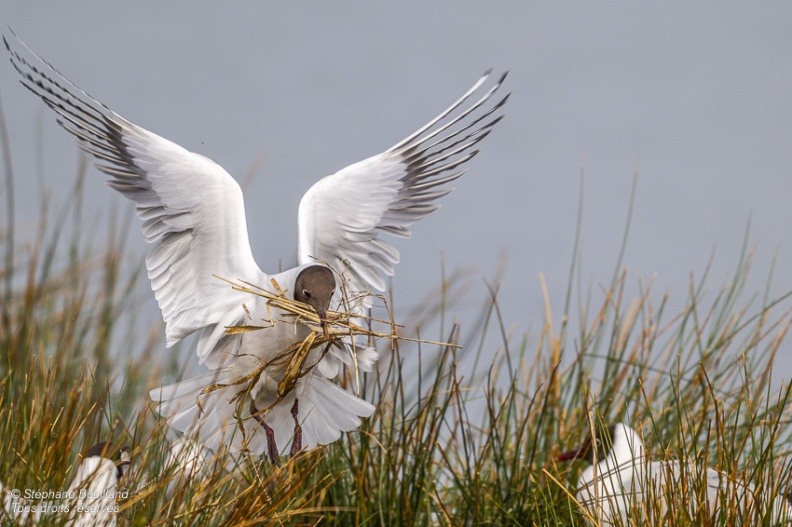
x: 449, y: 443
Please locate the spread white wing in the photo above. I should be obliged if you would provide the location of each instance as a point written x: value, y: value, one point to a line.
x: 192, y: 210
x: 342, y: 215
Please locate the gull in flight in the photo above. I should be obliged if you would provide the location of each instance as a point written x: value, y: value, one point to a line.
x: 620, y: 480
x: 193, y: 214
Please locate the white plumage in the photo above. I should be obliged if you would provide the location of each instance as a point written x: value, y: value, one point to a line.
x: 621, y: 480
x: 95, y: 487
x: 193, y: 213
x: 91, y: 496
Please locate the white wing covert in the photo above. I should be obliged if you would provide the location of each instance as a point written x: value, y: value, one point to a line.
x: 342, y: 215
x: 192, y: 209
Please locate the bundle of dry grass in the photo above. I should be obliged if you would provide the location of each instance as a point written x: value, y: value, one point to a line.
x: 337, y: 328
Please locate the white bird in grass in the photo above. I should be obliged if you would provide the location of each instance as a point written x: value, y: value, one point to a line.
x: 193, y: 212
x: 96, y: 486
x: 92, y: 493
x: 621, y: 480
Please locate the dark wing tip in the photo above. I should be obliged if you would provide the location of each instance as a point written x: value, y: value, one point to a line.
x: 5, y: 40
x: 501, y: 79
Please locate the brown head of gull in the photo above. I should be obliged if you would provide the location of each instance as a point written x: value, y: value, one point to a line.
x: 315, y: 286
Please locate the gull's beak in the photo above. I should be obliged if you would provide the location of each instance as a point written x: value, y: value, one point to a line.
x: 322, y: 312
x: 571, y: 454
x: 124, y: 462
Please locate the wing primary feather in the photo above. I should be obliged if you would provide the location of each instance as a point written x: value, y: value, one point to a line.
x: 459, y: 117
x: 117, y: 172
x: 58, y: 102
x: 45, y: 76
x: 428, y: 196
x: 426, y: 185
x: 432, y: 161
x: 447, y: 111
x: 448, y: 166
x: 91, y: 145
x: 482, y: 132
x: 88, y: 149
x: 95, y: 118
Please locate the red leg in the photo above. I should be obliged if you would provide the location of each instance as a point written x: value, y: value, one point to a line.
x: 272, y: 447
x: 297, y: 441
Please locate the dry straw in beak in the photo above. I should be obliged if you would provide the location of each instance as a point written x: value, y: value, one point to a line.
x: 325, y: 331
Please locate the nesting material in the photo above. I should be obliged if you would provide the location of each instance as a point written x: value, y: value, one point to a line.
x: 337, y: 327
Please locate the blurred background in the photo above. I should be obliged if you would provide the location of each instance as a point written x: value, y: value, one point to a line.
x: 694, y: 99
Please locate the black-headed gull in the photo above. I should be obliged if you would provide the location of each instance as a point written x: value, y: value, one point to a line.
x: 90, y: 499
x: 194, y: 215
x: 95, y: 486
x: 620, y: 479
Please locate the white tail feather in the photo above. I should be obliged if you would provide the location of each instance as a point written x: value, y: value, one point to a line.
x: 325, y: 410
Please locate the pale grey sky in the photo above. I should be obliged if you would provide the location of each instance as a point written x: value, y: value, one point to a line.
x: 699, y: 95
